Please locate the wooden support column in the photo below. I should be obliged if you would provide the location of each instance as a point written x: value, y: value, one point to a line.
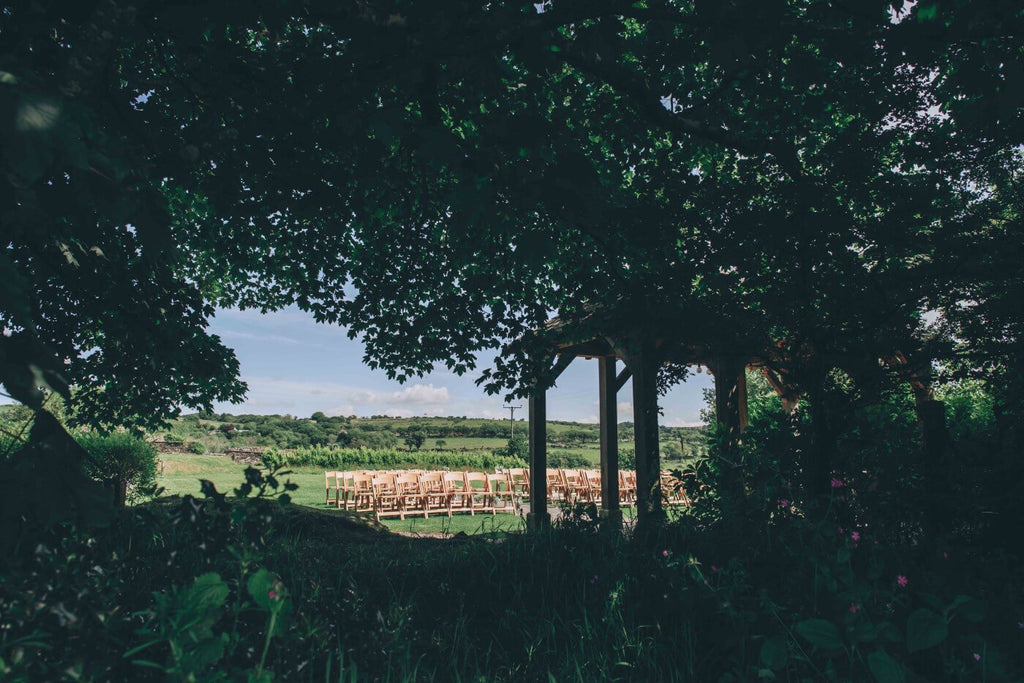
x: 730, y: 414
x: 538, y: 517
x: 609, y: 432
x: 645, y: 434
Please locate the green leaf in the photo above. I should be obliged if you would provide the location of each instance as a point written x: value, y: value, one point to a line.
x: 925, y: 629
x: 774, y: 653
x: 971, y: 609
x: 820, y: 633
x: 209, y: 591
x: 928, y: 12
x: 884, y: 668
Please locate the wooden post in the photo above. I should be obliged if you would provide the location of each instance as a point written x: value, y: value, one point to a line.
x: 645, y: 438
x: 730, y: 414
x: 609, y: 431
x: 538, y: 518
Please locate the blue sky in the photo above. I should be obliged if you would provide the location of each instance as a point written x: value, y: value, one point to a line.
x: 297, y: 366
x: 294, y: 365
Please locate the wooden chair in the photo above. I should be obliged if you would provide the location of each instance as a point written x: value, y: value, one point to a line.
x: 673, y: 489
x: 435, y: 498
x: 501, y: 497
x: 476, y: 487
x: 519, y: 481
x: 556, y: 485
x: 593, y: 480
x: 387, y: 501
x: 412, y: 499
x: 575, y: 487
x: 456, y: 489
x: 332, y: 486
x: 627, y: 488
x: 360, y: 492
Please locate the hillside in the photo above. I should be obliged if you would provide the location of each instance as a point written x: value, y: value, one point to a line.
x: 219, y: 432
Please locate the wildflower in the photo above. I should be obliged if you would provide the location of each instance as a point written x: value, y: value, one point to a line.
x: 853, y: 608
x: 783, y: 503
x: 855, y: 536
x: 977, y: 656
x: 841, y: 531
x: 902, y: 581
x: 664, y: 553
x: 837, y: 483
x: 272, y: 594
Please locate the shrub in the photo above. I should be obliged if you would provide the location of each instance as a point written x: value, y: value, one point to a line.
x: 125, y: 463
x: 196, y: 447
x: 367, y: 458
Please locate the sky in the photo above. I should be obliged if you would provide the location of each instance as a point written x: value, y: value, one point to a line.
x: 294, y: 365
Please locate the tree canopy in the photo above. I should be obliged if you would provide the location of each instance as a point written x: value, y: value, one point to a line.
x: 441, y: 178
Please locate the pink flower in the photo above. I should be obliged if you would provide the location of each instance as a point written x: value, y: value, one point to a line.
x: 272, y: 594
x: 853, y: 608
x: 664, y: 553
x: 714, y: 568
x: 945, y: 555
x: 977, y: 656
x: 855, y: 536
x: 841, y: 531
x: 902, y: 581
x: 837, y: 483
x: 783, y: 503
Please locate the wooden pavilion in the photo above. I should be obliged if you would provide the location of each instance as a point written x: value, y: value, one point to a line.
x: 645, y: 338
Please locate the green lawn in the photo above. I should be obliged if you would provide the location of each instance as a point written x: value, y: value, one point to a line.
x: 180, y: 475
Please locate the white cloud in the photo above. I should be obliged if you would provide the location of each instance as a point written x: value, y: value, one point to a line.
x: 421, y: 394
x: 625, y: 408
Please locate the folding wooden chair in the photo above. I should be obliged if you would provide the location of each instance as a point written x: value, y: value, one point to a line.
x: 476, y: 488
x: 360, y: 492
x: 575, y: 486
x: 501, y: 498
x: 627, y: 488
x: 519, y: 481
x: 459, y: 498
x: 435, y: 498
x: 387, y: 501
x: 556, y: 485
x: 411, y: 495
x: 332, y: 486
x: 593, y: 481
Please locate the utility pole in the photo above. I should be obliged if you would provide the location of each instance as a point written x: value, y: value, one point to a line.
x: 512, y: 419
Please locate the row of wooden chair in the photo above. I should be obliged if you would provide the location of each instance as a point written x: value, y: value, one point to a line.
x: 397, y: 493
x: 425, y: 492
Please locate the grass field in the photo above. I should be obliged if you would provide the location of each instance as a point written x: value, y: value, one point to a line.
x: 180, y: 475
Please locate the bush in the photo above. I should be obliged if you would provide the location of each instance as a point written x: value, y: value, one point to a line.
x: 123, y: 462
x: 367, y: 458
x: 196, y: 447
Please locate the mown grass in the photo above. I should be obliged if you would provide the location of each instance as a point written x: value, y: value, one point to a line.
x: 181, y: 475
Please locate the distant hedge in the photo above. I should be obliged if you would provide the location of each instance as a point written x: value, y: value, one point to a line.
x: 368, y: 458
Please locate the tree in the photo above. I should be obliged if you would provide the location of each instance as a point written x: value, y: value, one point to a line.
x: 441, y: 178
x: 414, y: 438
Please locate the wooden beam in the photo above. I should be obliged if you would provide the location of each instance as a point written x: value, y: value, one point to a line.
x: 538, y: 518
x: 622, y: 378
x: 609, y: 433
x: 650, y: 512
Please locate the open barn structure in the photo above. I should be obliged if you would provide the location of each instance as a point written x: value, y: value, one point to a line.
x: 636, y: 341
